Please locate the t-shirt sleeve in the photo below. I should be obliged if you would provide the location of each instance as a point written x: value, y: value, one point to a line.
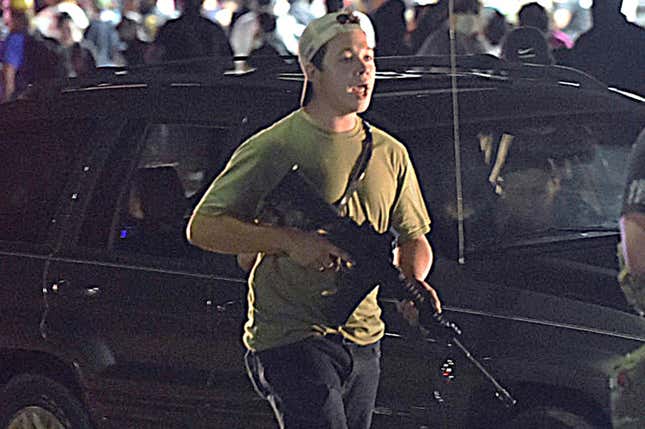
x: 14, y: 51
x: 634, y: 198
x: 410, y: 217
x: 253, y: 171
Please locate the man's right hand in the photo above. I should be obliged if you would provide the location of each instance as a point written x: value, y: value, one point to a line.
x: 313, y: 250
x: 226, y: 234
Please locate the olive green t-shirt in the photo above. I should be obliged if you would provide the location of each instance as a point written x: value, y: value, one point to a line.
x: 285, y: 299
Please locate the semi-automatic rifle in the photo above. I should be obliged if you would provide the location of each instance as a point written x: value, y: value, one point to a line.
x: 295, y: 202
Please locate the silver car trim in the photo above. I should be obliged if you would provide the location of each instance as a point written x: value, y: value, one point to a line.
x: 126, y: 266
x: 548, y: 323
x: 448, y: 308
x: 537, y: 322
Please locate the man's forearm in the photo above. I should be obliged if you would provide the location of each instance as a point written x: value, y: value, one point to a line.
x: 226, y: 234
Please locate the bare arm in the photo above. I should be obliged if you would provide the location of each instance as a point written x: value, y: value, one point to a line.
x: 9, y: 76
x: 227, y: 234
x: 414, y: 259
x: 632, y: 227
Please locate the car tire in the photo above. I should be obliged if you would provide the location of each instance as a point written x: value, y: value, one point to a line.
x: 30, y: 401
x: 548, y: 418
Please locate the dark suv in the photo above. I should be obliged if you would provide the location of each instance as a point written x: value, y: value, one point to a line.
x: 110, y: 319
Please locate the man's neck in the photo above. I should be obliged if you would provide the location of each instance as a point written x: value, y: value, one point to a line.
x: 329, y: 120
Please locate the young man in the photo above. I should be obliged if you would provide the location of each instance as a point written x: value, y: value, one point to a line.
x: 314, y: 373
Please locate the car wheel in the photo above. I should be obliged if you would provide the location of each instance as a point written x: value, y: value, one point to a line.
x: 548, y: 418
x: 33, y: 401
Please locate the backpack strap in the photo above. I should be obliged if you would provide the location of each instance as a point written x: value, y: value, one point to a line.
x: 358, y: 170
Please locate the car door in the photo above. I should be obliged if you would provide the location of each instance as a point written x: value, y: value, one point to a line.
x: 534, y: 292
x: 154, y: 322
x: 41, y: 157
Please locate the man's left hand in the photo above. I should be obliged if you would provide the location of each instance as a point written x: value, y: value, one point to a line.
x: 410, y: 311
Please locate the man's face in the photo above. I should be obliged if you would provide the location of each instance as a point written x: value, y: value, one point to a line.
x: 345, y: 83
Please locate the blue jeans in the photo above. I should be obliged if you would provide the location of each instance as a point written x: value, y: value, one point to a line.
x: 318, y: 383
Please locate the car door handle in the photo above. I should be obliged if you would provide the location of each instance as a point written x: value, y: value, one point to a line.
x: 66, y: 288
x: 224, y: 307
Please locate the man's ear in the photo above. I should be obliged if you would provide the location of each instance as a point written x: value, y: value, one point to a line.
x: 310, y: 71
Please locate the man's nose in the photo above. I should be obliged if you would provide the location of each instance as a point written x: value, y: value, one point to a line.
x: 363, y: 66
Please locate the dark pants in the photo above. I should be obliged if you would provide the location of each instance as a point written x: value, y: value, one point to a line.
x: 318, y: 383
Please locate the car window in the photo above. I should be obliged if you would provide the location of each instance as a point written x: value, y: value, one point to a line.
x: 520, y: 180
x: 177, y: 163
x: 149, y: 192
x: 38, y: 158
x: 542, y: 180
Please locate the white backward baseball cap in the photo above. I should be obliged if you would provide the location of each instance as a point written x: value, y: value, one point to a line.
x: 323, y: 29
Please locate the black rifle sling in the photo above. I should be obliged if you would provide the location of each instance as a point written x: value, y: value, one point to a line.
x: 358, y: 169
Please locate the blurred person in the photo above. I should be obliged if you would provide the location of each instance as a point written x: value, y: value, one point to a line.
x: 77, y: 57
x: 243, y: 36
x: 131, y: 9
x: 288, y: 29
x: 155, y: 218
x: 526, y: 45
x: 26, y: 59
x: 266, y: 44
x: 132, y: 49
x: 192, y: 36
x: 46, y: 22
x: 535, y: 15
x: 495, y: 29
x: 12, y: 49
x: 243, y: 7
x: 102, y: 35
x: 333, y: 5
x: 146, y: 15
x: 4, y: 30
x: 110, y: 11
x: 427, y: 19
x: 82, y: 61
x: 221, y: 12
x: 390, y: 26
x: 467, y: 26
x: 612, y: 50
x: 302, y: 11
x: 314, y: 373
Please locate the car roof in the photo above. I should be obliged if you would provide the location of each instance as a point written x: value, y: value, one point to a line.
x: 412, y: 89
x: 471, y: 69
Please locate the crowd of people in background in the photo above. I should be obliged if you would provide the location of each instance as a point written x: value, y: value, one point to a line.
x: 86, y: 34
